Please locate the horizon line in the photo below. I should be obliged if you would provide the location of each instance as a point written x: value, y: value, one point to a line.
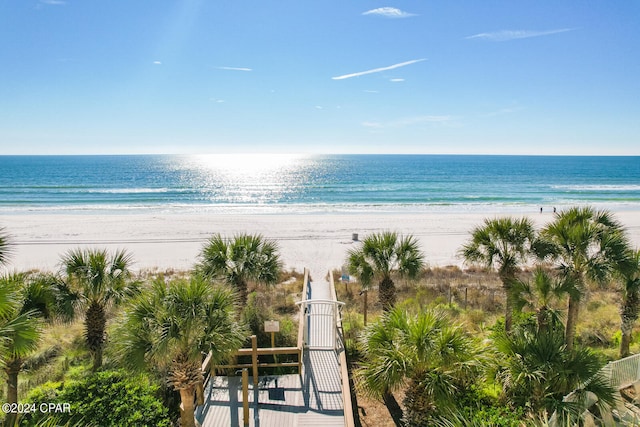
x: 310, y: 154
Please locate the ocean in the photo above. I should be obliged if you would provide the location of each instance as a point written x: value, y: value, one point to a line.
x: 278, y: 183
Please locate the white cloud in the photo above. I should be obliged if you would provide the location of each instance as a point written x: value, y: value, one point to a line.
x: 389, y: 12
x: 377, y: 70
x: 396, y: 80
x: 371, y: 91
x: 157, y: 63
x: 54, y: 2
x: 506, y: 35
x: 234, y: 68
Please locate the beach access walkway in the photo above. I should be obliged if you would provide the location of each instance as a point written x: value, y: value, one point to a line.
x: 318, y: 395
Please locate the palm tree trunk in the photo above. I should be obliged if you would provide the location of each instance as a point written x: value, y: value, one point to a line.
x: 185, y: 376
x: 95, y: 323
x: 200, y: 394
x: 508, y: 314
x: 507, y: 279
x: 12, y: 369
x: 628, y: 316
x: 387, y: 293
x: 241, y: 288
x: 187, y: 408
x: 572, y: 318
x: 625, y: 341
x: 418, y: 406
x: 542, y: 317
x: 365, y: 306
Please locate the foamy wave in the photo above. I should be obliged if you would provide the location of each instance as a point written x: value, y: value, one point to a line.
x: 130, y: 190
x: 302, y: 209
x: 601, y: 187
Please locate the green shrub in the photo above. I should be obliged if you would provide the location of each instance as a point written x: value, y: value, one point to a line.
x: 110, y: 398
x: 256, y: 312
x: 352, y: 327
x: 478, y: 408
x: 616, y: 338
x: 497, y: 416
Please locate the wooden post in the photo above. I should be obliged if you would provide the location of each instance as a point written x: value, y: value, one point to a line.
x: 254, y: 361
x: 365, y: 307
x: 245, y: 396
x: 200, y: 393
x: 234, y: 361
x: 273, y: 339
x: 465, y: 297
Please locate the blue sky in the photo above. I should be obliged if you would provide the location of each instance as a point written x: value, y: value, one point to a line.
x: 196, y: 76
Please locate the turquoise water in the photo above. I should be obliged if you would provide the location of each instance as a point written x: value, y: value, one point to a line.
x: 299, y: 184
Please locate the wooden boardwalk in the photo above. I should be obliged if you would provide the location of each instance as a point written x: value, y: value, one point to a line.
x: 312, y: 399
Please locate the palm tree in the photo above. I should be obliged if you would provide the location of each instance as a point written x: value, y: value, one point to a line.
x: 424, y: 351
x: 246, y: 257
x: 380, y: 256
x: 540, y: 294
x: 538, y: 372
x: 35, y: 299
x: 20, y: 330
x: 100, y: 280
x: 7, y: 292
x: 170, y: 326
x: 630, y: 300
x: 589, y: 246
x: 504, y: 244
x: 39, y: 295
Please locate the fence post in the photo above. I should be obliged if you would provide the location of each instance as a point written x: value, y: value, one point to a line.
x: 256, y: 392
x: 245, y: 396
x: 254, y: 361
x: 306, y: 324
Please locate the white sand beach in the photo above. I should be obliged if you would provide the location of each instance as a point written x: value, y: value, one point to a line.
x: 173, y: 241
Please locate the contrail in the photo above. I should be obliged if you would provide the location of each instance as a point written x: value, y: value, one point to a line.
x: 377, y: 70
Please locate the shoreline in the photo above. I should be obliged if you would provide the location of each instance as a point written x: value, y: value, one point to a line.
x: 318, y: 241
x: 312, y: 209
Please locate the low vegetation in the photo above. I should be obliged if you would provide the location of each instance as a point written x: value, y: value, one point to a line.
x: 107, y: 398
x: 531, y: 318
x: 543, y: 347
x: 108, y: 355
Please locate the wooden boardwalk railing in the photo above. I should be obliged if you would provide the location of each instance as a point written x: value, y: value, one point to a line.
x: 342, y: 359
x: 318, y: 395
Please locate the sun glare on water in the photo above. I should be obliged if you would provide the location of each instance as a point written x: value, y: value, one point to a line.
x: 248, y: 166
x: 248, y: 178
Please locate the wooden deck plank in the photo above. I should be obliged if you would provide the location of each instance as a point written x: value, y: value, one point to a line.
x: 311, y: 399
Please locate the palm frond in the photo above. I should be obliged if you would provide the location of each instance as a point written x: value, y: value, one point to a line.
x: 21, y: 333
x: 243, y: 258
x: 423, y: 349
x: 6, y: 247
x: 180, y: 319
